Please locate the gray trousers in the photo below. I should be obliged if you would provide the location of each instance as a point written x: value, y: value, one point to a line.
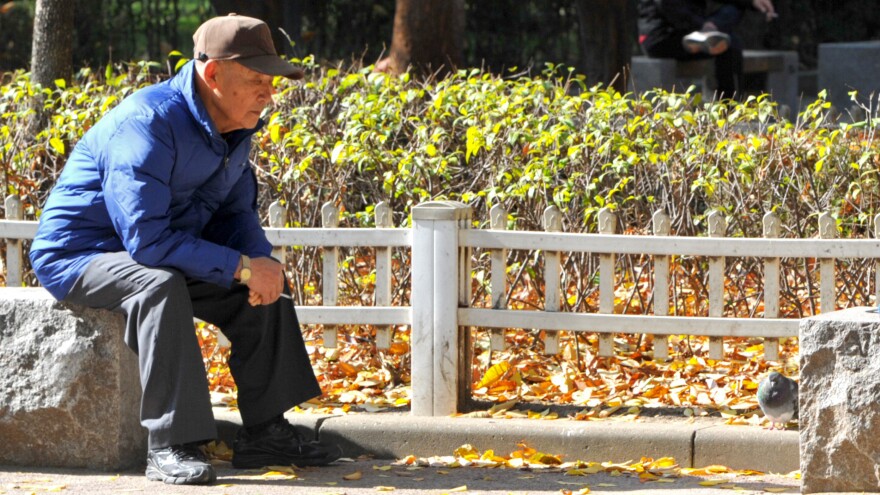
x: 268, y: 358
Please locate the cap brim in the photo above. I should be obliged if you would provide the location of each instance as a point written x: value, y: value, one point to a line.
x: 272, y: 65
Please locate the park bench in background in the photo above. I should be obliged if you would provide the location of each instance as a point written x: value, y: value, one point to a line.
x: 779, y: 68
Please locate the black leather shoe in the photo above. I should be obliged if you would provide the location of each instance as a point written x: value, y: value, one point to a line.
x: 180, y: 465
x: 279, y: 444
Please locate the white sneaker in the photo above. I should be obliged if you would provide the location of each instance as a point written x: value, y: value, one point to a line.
x: 709, y: 42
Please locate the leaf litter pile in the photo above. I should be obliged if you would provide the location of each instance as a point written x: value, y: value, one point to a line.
x: 356, y: 377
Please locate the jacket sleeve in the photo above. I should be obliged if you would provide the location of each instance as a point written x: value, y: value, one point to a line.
x: 236, y: 223
x: 135, y: 179
x: 680, y: 14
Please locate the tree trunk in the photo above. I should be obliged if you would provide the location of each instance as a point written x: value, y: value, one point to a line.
x: 607, y: 33
x: 428, y: 37
x: 52, y: 52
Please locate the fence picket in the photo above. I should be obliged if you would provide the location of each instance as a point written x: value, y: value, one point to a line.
x: 717, y: 228
x: 607, y: 225
x: 772, y: 271
x: 498, y: 286
x: 877, y: 264
x: 382, y: 296
x: 662, y: 226
x: 552, y: 280
x: 13, y: 246
x: 827, y: 296
x: 330, y: 275
x: 278, y: 219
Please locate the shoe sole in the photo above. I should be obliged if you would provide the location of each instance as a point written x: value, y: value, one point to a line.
x: 256, y: 461
x: 154, y: 474
x: 712, y: 45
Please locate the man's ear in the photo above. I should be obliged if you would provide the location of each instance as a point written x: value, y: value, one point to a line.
x: 210, y: 73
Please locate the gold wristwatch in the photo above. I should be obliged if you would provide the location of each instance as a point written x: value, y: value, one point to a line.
x: 245, y: 273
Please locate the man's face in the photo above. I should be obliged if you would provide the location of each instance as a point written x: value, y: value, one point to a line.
x: 241, y: 95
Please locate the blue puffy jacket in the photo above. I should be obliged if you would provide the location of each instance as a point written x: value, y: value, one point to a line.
x: 153, y: 177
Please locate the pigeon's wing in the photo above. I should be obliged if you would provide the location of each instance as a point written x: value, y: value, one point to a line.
x: 763, y: 392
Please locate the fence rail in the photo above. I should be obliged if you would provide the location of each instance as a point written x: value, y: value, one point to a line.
x: 441, y: 241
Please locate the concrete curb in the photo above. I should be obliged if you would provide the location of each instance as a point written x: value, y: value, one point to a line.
x: 697, y: 444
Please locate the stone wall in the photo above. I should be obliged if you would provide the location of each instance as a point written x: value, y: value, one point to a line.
x: 840, y: 401
x: 70, y: 392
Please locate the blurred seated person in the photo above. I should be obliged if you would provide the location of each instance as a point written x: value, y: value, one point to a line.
x: 685, y: 30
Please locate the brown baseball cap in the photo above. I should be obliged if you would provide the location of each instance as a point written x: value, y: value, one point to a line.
x: 244, y: 39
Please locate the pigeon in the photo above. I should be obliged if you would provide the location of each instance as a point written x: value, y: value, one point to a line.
x: 778, y: 398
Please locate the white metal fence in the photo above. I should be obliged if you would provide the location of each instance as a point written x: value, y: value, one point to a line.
x: 441, y: 241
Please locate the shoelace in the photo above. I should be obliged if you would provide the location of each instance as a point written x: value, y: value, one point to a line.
x: 288, y: 428
x: 188, y: 452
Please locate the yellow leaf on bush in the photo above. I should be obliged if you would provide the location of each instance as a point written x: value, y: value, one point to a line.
x: 57, y: 145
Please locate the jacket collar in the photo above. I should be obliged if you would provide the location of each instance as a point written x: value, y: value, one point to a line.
x: 185, y: 82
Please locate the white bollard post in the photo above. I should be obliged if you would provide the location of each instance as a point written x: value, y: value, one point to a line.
x: 435, y: 302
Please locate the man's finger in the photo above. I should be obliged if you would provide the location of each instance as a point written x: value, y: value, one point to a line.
x: 254, y: 298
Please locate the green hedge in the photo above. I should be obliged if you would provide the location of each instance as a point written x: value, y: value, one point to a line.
x: 356, y: 138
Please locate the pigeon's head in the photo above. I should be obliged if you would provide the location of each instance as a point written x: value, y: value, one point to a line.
x: 775, y: 377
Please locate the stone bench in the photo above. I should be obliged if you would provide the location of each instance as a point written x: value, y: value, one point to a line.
x: 779, y: 67
x: 845, y: 67
x: 70, y: 393
x: 840, y: 401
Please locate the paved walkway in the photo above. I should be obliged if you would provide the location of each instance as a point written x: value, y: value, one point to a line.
x: 379, y: 477
x: 377, y: 440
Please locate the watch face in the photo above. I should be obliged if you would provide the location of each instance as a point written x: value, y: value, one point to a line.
x: 245, y: 274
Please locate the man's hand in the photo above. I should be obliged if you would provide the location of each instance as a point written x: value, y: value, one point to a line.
x: 765, y: 7
x: 266, y: 282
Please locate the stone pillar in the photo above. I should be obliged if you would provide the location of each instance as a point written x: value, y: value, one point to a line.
x: 70, y: 392
x: 840, y: 401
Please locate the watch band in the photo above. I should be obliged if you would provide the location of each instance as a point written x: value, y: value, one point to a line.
x: 245, y: 273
